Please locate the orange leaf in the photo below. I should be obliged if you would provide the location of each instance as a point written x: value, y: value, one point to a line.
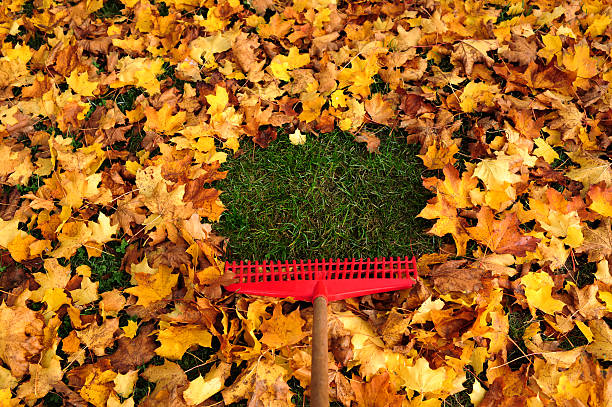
x: 502, y: 236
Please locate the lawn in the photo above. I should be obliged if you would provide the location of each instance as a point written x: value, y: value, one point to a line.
x: 132, y: 169
x: 327, y: 198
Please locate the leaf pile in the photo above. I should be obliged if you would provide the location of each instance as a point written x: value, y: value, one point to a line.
x: 117, y: 116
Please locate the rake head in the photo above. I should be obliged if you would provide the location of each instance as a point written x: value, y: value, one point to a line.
x: 334, y: 279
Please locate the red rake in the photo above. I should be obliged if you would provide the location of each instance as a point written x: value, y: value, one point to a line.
x: 320, y: 281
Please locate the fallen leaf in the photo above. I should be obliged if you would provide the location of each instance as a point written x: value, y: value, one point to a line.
x: 203, y: 388
x: 538, y: 290
x: 281, y: 330
x: 372, y: 142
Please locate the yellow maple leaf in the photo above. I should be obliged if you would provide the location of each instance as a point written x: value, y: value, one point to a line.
x: 281, y: 330
x: 55, y: 276
x: 55, y: 298
x: 81, y: 85
x: 601, y: 347
x: 338, y: 98
x: 130, y: 329
x: 496, y: 172
x: 98, y: 386
x: 140, y: 72
x: 311, y: 106
x: 124, y: 383
x: 538, y: 290
x: 582, y: 64
x: 203, y: 388
x: 602, y: 199
x: 154, y: 286
x: 359, y: 76
x: 175, y: 340
x: 599, y: 25
x: 420, y: 377
x: 545, y: 151
x: 87, y: 293
x: 447, y: 222
x: 264, y: 378
x: 73, y: 236
x: 282, y: 64
x: 25, y: 246
x: 163, y: 120
x: 130, y: 43
x: 438, y: 155
x: 297, y: 138
x: 218, y: 101
x: 593, y: 169
x: 476, y: 93
x: 102, y: 231
x: 552, y: 47
x: 209, y: 46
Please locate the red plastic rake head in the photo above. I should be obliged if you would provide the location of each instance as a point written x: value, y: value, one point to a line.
x: 320, y: 281
x: 334, y: 279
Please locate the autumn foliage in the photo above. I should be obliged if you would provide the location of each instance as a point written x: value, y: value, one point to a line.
x: 117, y: 116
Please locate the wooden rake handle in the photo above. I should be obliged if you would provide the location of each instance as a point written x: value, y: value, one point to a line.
x: 319, y: 382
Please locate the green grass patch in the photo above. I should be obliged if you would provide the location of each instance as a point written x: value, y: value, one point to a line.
x: 327, y: 198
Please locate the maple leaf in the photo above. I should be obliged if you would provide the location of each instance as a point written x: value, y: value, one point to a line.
x: 281, y: 330
x: 593, y: 170
x: 163, y: 121
x: 497, y: 172
x: 175, y: 340
x: 311, y: 106
x: 448, y: 222
x: 538, y: 290
x: 134, y: 352
x: 140, y: 72
x: 218, y: 101
x: 439, y: 156
x: 469, y: 52
x: 601, y: 347
x: 377, y: 393
x: 420, y: 377
x: 582, y: 64
x: 297, y: 138
x: 168, y: 378
x: 502, y: 236
x: 450, y: 277
x: 80, y: 83
x: 453, y: 188
x: 23, y: 341
x: 99, y: 337
x: 102, y: 231
x: 124, y: 383
x: 55, y: 276
x: 264, y: 381
x: 153, y: 286
x: 281, y: 64
x: 208, y: 46
x: 44, y: 375
x: 73, y: 236
x: 519, y: 50
x: 372, y: 142
x: 552, y: 47
x: 597, y: 242
x: 380, y: 111
x: 601, y: 197
x: 545, y: 151
x: 203, y: 388
x: 475, y: 93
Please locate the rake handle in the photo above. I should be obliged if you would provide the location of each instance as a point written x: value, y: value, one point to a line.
x: 319, y: 393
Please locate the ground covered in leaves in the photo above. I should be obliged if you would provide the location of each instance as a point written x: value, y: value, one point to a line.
x: 116, y: 120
